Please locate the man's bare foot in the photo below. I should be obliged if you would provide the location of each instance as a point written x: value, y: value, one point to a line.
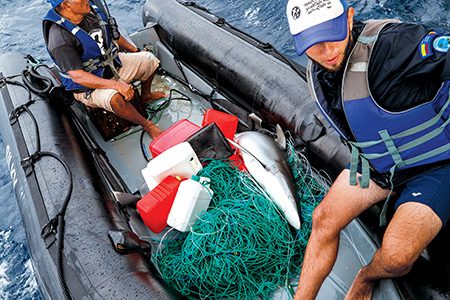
x: 360, y: 289
x: 153, y: 96
x: 153, y: 130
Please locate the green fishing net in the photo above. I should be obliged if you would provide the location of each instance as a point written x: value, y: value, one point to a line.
x: 242, y: 247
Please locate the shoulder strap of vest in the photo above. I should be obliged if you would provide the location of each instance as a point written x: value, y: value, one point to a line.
x: 93, y: 63
x: 372, y: 30
x: 54, y: 17
x: 98, y: 13
x: 355, y: 85
x: 107, y: 59
x: 317, y: 94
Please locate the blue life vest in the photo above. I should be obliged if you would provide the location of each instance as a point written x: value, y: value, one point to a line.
x: 92, y: 58
x: 385, y: 141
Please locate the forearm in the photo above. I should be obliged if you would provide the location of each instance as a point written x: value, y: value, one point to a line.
x: 379, y: 268
x: 91, y: 81
x: 125, y: 45
x: 94, y: 82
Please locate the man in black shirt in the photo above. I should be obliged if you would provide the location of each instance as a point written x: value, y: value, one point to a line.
x: 81, y: 45
x: 384, y: 87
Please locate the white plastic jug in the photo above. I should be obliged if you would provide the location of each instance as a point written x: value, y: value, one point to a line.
x: 180, y: 160
x: 193, y: 198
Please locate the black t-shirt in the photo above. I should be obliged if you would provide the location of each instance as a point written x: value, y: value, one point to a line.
x: 399, y: 76
x: 66, y: 49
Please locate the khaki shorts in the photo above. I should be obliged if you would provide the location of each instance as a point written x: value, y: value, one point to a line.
x: 135, y: 66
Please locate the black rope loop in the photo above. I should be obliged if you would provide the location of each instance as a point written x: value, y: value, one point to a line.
x: 16, y: 112
x: 56, y: 225
x: 50, y: 228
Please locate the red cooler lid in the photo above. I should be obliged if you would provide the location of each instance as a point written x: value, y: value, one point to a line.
x: 174, y: 135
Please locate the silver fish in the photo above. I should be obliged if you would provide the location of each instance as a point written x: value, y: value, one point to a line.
x: 267, y: 163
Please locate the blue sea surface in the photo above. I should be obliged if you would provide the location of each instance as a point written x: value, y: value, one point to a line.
x: 16, y: 274
x: 20, y: 31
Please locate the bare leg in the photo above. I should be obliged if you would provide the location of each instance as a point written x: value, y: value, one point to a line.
x: 127, y: 111
x: 341, y: 205
x: 412, y: 228
x: 147, y: 94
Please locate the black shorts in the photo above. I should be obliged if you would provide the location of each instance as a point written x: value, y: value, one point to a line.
x: 431, y: 188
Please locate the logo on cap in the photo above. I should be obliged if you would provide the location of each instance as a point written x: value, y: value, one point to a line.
x: 296, y: 12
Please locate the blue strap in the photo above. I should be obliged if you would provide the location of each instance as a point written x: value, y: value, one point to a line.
x: 424, y: 125
x: 392, y: 149
x: 354, y: 164
x: 428, y: 154
x: 394, y: 152
x: 365, y: 178
x: 383, y: 214
x: 412, y: 131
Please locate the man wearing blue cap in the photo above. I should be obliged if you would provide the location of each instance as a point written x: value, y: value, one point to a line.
x: 384, y: 87
x: 80, y: 42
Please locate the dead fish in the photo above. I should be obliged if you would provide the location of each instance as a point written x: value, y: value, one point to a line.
x: 267, y: 163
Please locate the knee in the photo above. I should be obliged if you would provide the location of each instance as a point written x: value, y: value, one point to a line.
x: 323, y: 224
x: 117, y: 102
x: 150, y: 64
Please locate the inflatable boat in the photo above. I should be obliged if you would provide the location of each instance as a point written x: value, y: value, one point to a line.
x: 77, y: 173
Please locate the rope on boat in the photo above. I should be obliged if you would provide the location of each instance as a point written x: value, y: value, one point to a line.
x: 154, y: 111
x: 242, y: 247
x: 56, y: 225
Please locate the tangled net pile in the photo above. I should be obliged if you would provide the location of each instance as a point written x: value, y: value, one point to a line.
x: 242, y: 247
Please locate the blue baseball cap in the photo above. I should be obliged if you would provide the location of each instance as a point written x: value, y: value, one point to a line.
x: 316, y: 21
x: 55, y: 3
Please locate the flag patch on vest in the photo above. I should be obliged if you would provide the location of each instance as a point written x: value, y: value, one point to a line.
x: 442, y: 44
x: 426, y: 45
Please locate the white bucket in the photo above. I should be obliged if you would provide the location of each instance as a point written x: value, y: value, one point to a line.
x: 180, y: 160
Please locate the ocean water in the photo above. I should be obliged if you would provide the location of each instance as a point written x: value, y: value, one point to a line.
x: 20, y: 31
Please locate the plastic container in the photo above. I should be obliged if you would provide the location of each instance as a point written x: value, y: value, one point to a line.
x: 155, y: 206
x: 193, y: 198
x: 175, y: 134
x: 180, y: 160
x: 227, y: 123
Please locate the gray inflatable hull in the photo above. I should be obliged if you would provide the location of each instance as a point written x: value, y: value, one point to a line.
x: 92, y: 269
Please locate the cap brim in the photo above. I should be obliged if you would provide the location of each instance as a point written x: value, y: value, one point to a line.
x: 330, y: 31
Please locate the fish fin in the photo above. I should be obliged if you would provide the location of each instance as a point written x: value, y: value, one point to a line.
x: 281, y: 137
x: 256, y: 119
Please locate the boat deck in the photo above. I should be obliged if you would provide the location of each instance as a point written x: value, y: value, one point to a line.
x: 125, y: 152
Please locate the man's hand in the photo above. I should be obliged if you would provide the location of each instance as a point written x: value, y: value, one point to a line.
x: 125, y: 89
x: 94, y: 82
